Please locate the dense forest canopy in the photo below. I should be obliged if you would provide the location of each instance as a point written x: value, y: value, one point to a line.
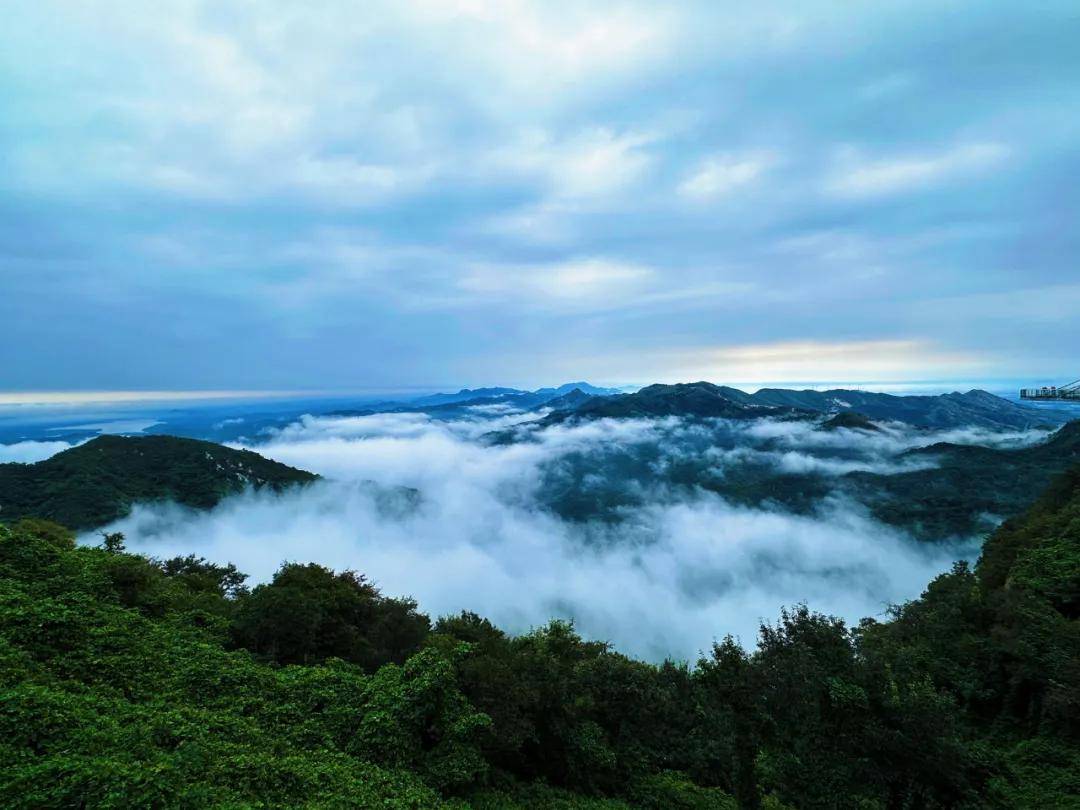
x: 128, y: 681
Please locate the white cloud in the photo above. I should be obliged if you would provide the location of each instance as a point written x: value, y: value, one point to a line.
x: 349, y: 180
x: 469, y: 134
x: 859, y: 178
x: 536, y: 46
x: 29, y: 452
x: 668, y: 579
x: 275, y: 101
x: 587, y: 282
x: 594, y: 162
x: 812, y: 361
x: 44, y: 398
x: 720, y: 174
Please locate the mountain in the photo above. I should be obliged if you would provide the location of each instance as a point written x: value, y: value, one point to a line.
x: 966, y: 492
x: 935, y: 493
x: 852, y: 420
x: 569, y: 401
x: 584, y: 387
x: 511, y: 396
x: 968, y: 485
x: 973, y: 408
x: 464, y: 395
x: 98, y: 482
x: 702, y: 399
x: 699, y: 399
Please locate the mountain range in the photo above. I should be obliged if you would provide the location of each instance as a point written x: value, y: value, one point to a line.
x: 446, y: 405
x: 947, y: 489
x: 513, y: 396
x: 702, y: 399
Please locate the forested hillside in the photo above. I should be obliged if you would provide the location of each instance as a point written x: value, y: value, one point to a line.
x: 98, y: 482
x: 126, y: 681
x: 966, y: 483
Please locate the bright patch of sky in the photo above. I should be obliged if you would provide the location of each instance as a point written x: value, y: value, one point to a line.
x: 234, y: 195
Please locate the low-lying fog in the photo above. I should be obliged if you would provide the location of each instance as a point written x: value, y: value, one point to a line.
x: 668, y: 571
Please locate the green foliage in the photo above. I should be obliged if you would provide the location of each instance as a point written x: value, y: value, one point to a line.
x: 309, y: 613
x: 674, y: 791
x: 110, y: 697
x: 572, y: 712
x: 538, y: 796
x: 127, y: 681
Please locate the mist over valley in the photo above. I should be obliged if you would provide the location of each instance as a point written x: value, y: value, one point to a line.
x: 694, y: 507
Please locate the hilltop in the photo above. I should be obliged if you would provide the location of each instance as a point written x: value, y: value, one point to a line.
x: 700, y: 399
x: 98, y: 482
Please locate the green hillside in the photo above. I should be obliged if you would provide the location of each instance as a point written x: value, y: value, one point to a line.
x: 98, y: 482
x: 969, y: 483
x: 129, y: 682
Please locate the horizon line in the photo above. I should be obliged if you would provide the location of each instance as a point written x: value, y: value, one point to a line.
x: 72, y: 396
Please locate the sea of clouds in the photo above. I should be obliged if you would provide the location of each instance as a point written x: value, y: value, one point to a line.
x: 461, y: 523
x: 29, y: 452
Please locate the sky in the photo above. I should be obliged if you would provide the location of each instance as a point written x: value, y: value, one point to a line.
x: 343, y: 196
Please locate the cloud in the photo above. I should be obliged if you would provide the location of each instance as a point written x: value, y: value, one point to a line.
x: 29, y: 452
x: 810, y: 361
x: 292, y: 184
x: 22, y: 398
x: 533, y: 43
x: 890, y: 439
x: 802, y: 448
x: 584, y: 282
x: 592, y: 163
x: 678, y: 569
x: 872, y: 178
x: 721, y: 174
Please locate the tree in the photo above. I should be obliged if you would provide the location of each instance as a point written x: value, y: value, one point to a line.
x: 731, y: 679
x: 309, y: 613
x: 201, y: 574
x: 113, y: 542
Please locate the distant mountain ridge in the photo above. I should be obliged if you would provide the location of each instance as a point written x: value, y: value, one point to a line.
x: 972, y: 408
x: 464, y: 395
x: 516, y: 395
x: 98, y: 482
x: 466, y: 398
x: 702, y: 399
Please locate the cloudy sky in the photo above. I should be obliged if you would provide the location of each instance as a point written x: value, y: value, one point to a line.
x: 352, y: 195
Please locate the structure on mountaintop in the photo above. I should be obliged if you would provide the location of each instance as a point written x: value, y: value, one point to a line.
x: 1070, y: 391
